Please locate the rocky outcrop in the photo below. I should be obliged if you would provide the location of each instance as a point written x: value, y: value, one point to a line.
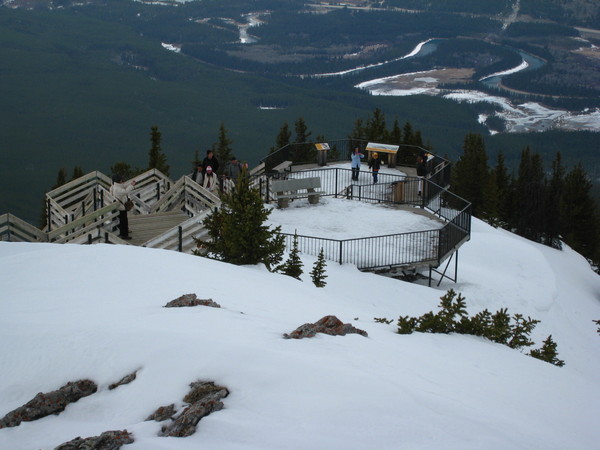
x: 191, y: 300
x: 328, y: 325
x: 44, y: 404
x: 163, y: 413
x: 204, y: 398
x: 109, y: 440
x: 125, y: 380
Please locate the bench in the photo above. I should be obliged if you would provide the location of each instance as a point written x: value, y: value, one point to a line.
x: 289, y: 189
x: 283, y: 167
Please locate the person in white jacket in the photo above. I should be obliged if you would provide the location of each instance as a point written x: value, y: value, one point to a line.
x: 211, y: 182
x: 120, y: 191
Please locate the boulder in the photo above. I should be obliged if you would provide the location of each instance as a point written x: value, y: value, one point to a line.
x: 44, y: 404
x: 109, y: 440
x: 163, y: 413
x: 204, y: 398
x: 125, y: 380
x: 191, y: 300
x: 328, y: 325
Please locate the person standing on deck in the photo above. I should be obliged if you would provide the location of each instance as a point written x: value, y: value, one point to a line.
x: 120, y: 191
x: 375, y: 165
x: 355, y: 164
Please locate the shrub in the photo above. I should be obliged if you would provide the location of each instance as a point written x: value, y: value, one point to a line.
x: 498, y: 327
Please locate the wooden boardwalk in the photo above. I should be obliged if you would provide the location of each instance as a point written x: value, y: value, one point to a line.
x: 144, y: 227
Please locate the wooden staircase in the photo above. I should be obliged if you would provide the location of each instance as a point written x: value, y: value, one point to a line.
x: 145, y: 227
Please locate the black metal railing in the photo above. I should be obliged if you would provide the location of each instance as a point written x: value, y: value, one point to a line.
x: 420, y: 248
x: 438, y: 168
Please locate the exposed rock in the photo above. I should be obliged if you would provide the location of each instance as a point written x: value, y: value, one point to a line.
x: 328, y: 325
x: 109, y: 440
x: 163, y: 413
x: 191, y: 300
x: 125, y: 380
x: 43, y: 405
x: 205, y: 397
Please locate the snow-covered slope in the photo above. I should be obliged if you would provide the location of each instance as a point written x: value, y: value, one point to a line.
x: 71, y: 312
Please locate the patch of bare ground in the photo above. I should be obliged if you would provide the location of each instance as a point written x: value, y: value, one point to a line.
x: 431, y: 78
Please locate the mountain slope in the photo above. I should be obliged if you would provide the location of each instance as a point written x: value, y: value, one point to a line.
x: 70, y: 312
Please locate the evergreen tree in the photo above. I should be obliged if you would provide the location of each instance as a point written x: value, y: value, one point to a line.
x: 283, y: 138
x: 124, y: 170
x: 318, y: 272
x: 375, y: 130
x: 548, y: 353
x: 237, y: 231
x: 530, y: 190
x: 222, y: 148
x: 302, y: 133
x: 61, y: 178
x: 491, y: 201
x: 77, y: 172
x: 293, y: 265
x: 358, y: 132
x: 504, y: 188
x: 395, y: 136
x: 469, y: 177
x: 156, y: 158
x: 408, y: 134
x: 578, y: 213
x: 552, y: 207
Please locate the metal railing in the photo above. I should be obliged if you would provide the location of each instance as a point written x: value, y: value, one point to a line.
x: 438, y: 168
x: 409, y: 250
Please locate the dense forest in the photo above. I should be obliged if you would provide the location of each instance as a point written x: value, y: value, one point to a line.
x: 84, y: 82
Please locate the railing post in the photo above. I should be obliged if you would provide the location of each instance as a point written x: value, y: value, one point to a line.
x: 158, y: 191
x: 336, y: 183
x: 341, y: 251
x: 82, y: 208
x: 95, y: 199
x: 48, y: 214
x: 180, y: 247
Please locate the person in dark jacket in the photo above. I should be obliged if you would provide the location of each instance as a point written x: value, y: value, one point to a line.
x: 198, y: 174
x: 120, y: 191
x: 421, y: 171
x: 375, y: 165
x: 233, y: 169
x: 211, y: 161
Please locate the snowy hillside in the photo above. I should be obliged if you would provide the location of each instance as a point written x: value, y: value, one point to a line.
x: 72, y: 312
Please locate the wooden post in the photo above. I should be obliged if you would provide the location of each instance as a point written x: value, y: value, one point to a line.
x: 180, y: 247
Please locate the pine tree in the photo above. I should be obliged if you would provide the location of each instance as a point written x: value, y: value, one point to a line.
x: 376, y: 130
x: 470, y: 173
x: 237, y: 231
x: 395, y: 136
x: 302, y: 133
x: 77, y: 172
x: 548, y: 353
x: 222, y: 148
x: 358, y: 132
x: 61, y: 178
x: 530, y: 196
x: 156, y: 158
x: 578, y: 213
x: 318, y: 272
x: 504, y: 186
x: 283, y: 138
x: 554, y: 191
x: 293, y: 265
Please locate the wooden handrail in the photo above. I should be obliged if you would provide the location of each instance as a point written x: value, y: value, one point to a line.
x: 53, y: 234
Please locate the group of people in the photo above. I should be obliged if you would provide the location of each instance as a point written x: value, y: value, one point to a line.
x: 375, y: 166
x: 205, y: 173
